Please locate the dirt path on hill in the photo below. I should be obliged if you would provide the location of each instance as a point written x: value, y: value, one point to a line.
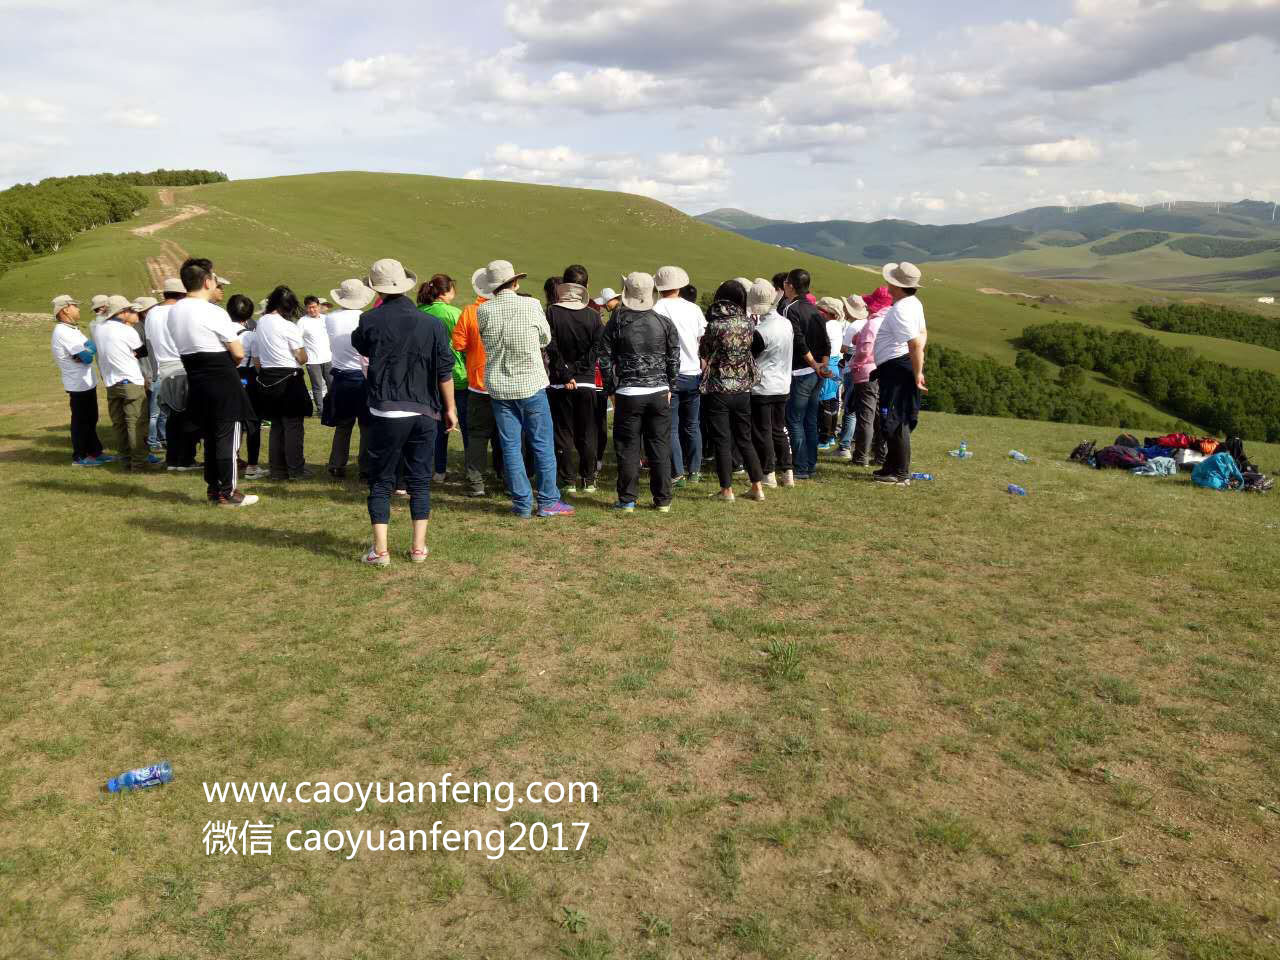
x: 186, y: 214
x: 166, y: 197
x: 165, y: 264
x: 992, y: 291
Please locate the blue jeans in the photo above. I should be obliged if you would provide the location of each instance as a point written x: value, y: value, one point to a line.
x: 849, y: 409
x: 517, y: 420
x: 802, y: 422
x: 686, y: 426
x: 155, y: 433
x: 442, y: 438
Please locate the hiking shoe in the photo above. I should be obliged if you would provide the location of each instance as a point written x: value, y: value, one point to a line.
x: 739, y: 471
x: 87, y: 462
x: 588, y: 488
x: 557, y: 509
x: 771, y: 479
x: 475, y: 493
x: 438, y: 477
x: 375, y: 559
x: 234, y: 499
x: 802, y: 476
x: 254, y: 472
x: 891, y: 479
x: 338, y: 473
x: 662, y: 507
x: 419, y: 557
x: 845, y: 454
x: 108, y: 458
x: 678, y: 482
x: 752, y: 495
x: 621, y: 507
x: 521, y: 514
x: 306, y: 473
x: 185, y: 468
x: 722, y: 496
x: 571, y: 491
x: 788, y: 478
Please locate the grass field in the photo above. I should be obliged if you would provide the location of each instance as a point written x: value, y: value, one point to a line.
x: 848, y: 722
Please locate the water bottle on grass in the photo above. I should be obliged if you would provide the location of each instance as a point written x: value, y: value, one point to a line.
x: 1019, y: 456
x: 143, y: 777
x: 962, y: 453
x: 1016, y: 490
x: 922, y: 476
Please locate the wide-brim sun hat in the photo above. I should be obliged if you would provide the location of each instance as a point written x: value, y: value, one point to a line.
x: 352, y: 294
x: 670, y: 278
x: 480, y: 282
x: 637, y: 291
x: 99, y: 301
x: 143, y: 304
x: 903, y: 275
x: 117, y: 305
x: 389, y: 276
x: 760, y: 298
x: 62, y: 301
x: 172, y: 285
x: 832, y: 305
x: 855, y: 307
x: 499, y: 273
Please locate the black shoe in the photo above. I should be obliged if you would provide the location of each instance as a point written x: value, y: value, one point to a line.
x: 338, y: 473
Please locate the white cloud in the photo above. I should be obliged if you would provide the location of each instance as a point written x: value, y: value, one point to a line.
x: 388, y: 73
x: 134, y: 117
x: 1273, y: 109
x: 1070, y: 152
x: 1169, y: 166
x: 1238, y: 141
x: 666, y: 176
x: 37, y: 108
x: 820, y: 141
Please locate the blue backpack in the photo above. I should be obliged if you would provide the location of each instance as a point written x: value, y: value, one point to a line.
x: 1219, y: 472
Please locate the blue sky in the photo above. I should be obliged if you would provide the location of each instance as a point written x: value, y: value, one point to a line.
x: 800, y: 109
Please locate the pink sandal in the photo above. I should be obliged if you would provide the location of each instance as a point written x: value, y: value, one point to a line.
x: 375, y: 559
x: 420, y: 556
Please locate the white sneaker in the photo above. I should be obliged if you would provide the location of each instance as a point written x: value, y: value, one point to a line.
x: 789, y: 478
x: 571, y: 491
x: 438, y: 477
x: 845, y: 455
x: 771, y: 479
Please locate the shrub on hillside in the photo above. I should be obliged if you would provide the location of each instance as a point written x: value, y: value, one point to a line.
x: 1209, y: 247
x: 1231, y: 401
x: 1209, y: 321
x: 1130, y: 243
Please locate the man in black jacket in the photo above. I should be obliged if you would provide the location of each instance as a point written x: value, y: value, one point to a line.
x: 410, y: 392
x: 811, y: 351
x: 640, y: 361
x: 571, y: 356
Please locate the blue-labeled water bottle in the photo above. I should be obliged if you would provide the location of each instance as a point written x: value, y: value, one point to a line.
x: 1016, y: 490
x: 922, y: 476
x: 143, y: 777
x: 1019, y: 456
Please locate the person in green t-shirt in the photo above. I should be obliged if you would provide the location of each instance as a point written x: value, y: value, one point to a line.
x: 436, y: 298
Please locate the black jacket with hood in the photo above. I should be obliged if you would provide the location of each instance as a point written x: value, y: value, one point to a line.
x: 576, y: 333
x: 640, y: 348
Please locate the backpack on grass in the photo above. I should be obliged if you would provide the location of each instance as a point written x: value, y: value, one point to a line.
x: 1083, y: 451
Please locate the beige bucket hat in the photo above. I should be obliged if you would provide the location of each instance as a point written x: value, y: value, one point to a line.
x: 62, y: 301
x: 832, y: 305
x: 500, y: 272
x: 637, y: 291
x: 855, y: 307
x: 670, y: 278
x: 480, y: 283
x: 172, y: 285
x: 389, y: 276
x: 352, y: 294
x: 906, y: 275
x: 760, y: 298
x: 116, y: 305
x: 143, y: 304
x: 98, y: 302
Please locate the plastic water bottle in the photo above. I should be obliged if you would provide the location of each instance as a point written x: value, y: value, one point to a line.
x: 151, y: 776
x: 922, y: 476
x: 1019, y: 456
x: 962, y: 453
x: 1016, y: 490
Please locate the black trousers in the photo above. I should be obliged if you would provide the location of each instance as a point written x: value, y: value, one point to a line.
x: 898, y: 460
x: 646, y: 420
x: 180, y: 441
x: 573, y: 418
x: 285, y: 457
x: 602, y: 424
x: 729, y: 416
x: 84, y: 424
x: 769, y: 432
x: 395, y: 443
x: 221, y: 445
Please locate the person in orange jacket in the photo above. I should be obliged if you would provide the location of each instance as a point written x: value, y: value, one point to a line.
x: 481, y: 429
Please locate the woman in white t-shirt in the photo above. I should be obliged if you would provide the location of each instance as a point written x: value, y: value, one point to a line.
x: 279, y: 355
x: 315, y: 340
x: 73, y: 353
x: 899, y: 358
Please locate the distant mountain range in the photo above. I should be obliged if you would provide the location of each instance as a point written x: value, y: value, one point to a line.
x: 849, y: 241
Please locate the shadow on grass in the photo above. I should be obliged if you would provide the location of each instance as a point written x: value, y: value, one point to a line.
x: 115, y: 488
x: 320, y: 542
x: 56, y: 455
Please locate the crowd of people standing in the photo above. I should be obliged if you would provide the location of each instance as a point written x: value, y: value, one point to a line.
x: 759, y: 382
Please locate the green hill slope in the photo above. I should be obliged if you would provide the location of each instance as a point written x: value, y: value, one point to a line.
x: 313, y: 231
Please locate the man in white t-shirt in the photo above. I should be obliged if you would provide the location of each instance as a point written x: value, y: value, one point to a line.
x: 315, y: 340
x: 73, y: 353
x: 686, y: 400
x: 209, y: 343
x: 346, y: 380
x: 899, y: 357
x: 119, y: 348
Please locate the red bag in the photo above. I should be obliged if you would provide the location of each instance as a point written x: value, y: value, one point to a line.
x: 1178, y: 441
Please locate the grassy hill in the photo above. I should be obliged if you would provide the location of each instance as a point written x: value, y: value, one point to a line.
x: 848, y: 722
x: 313, y: 231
